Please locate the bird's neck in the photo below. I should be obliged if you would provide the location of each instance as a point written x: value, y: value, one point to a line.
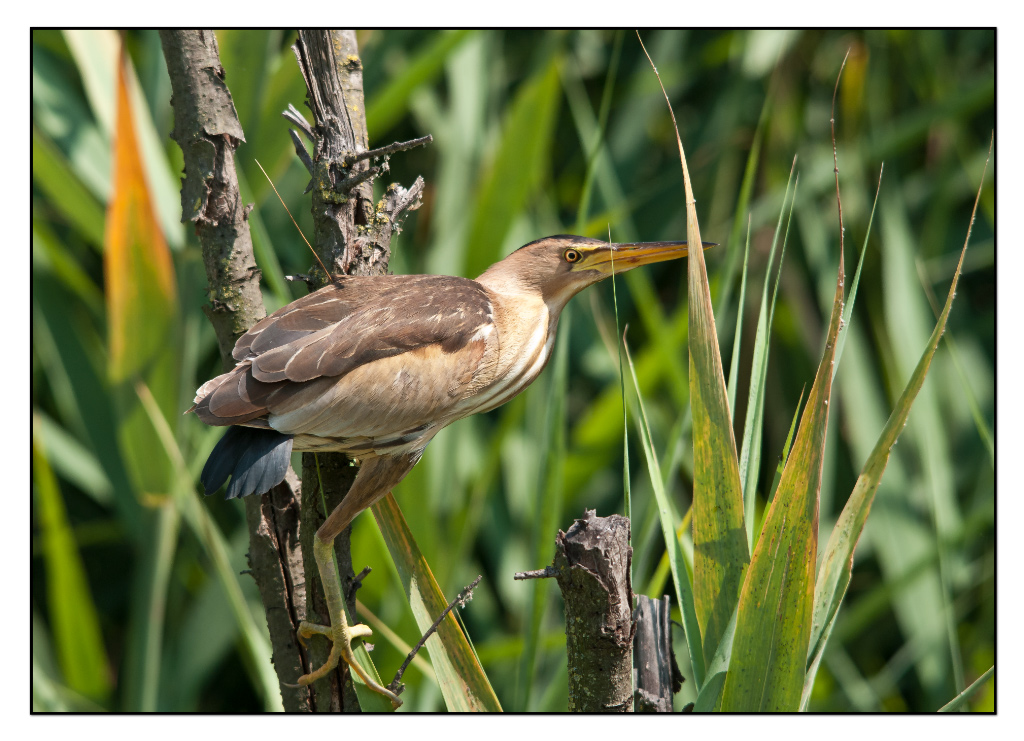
x: 526, y: 327
x: 503, y: 281
x: 511, y: 287
x: 525, y: 311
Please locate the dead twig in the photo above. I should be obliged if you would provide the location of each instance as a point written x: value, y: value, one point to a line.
x: 389, y: 149
x: 548, y: 572
x: 357, y: 581
x: 463, y: 597
x: 294, y: 115
x: 343, y: 186
x: 300, y: 150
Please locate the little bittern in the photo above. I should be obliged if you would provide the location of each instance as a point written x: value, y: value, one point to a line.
x: 375, y: 366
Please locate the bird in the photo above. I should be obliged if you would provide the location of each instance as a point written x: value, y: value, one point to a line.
x: 375, y: 366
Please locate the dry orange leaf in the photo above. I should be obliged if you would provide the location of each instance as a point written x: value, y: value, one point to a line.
x: 140, y: 284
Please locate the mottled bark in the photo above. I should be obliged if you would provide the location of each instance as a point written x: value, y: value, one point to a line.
x: 657, y: 675
x: 351, y: 235
x: 206, y: 128
x: 275, y: 559
x: 592, y: 564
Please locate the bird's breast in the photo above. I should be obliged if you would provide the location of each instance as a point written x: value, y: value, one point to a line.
x: 525, y: 333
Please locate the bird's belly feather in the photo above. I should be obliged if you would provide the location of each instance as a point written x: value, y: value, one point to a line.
x: 383, y: 400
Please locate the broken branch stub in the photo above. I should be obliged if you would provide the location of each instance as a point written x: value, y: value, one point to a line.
x: 592, y: 565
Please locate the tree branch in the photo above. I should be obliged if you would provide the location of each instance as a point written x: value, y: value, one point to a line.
x: 392, y: 148
x: 657, y: 674
x: 352, y: 236
x: 206, y: 128
x: 591, y: 565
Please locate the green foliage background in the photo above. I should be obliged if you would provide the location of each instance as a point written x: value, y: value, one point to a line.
x: 518, y: 154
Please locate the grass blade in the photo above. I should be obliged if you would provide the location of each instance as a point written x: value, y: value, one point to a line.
x: 50, y: 254
x: 72, y: 460
x: 49, y: 696
x: 710, y: 696
x: 390, y: 104
x: 720, y: 548
x: 54, y: 175
x: 461, y: 678
x: 773, y: 624
x: 683, y: 587
x: 837, y: 563
x: 656, y: 585
x: 734, y: 363
x: 146, y: 631
x: 66, y: 353
x: 750, y: 448
x: 957, y: 702
x: 523, y: 154
x: 848, y: 311
x: 255, y: 641
x: 626, y: 488
x: 73, y: 618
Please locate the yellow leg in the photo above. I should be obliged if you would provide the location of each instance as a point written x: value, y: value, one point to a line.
x: 338, y: 631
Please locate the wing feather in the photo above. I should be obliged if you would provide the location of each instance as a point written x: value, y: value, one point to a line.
x: 361, y: 358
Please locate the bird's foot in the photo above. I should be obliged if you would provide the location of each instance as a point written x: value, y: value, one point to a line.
x: 339, y: 632
x: 341, y: 650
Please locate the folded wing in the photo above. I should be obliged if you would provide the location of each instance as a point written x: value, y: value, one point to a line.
x: 358, y: 359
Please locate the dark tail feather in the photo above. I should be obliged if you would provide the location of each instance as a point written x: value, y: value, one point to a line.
x: 256, y: 460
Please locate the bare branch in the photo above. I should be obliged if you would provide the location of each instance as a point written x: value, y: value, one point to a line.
x: 463, y: 597
x: 294, y: 115
x: 548, y: 572
x: 391, y: 149
x: 206, y: 128
x: 357, y: 581
x: 300, y: 150
x: 592, y: 563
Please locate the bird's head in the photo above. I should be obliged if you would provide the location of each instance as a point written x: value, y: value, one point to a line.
x: 559, y: 267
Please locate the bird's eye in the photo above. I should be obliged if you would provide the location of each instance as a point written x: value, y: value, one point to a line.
x: 572, y: 256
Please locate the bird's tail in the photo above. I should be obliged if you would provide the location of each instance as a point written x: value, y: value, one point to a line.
x: 255, y: 459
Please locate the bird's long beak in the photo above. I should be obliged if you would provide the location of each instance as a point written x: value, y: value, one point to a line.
x: 619, y: 258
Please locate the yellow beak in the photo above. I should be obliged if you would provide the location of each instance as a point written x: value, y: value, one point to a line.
x: 623, y: 257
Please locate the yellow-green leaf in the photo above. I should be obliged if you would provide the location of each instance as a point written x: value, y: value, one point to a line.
x: 769, y: 651
x: 73, y: 617
x: 720, y: 552
x: 837, y: 562
x: 463, y: 683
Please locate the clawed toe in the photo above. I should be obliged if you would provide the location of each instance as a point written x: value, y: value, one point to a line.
x: 341, y: 649
x: 307, y: 629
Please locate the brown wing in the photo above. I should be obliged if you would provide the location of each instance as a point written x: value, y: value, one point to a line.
x: 361, y: 356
